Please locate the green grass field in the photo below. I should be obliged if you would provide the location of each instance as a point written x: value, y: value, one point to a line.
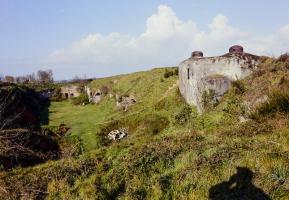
x: 83, y: 121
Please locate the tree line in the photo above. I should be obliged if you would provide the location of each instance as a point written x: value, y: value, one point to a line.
x: 40, y: 77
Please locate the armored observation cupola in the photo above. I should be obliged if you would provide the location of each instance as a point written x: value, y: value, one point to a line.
x: 236, y: 49
x: 197, y: 54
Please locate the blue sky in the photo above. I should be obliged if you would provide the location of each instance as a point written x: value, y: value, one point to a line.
x: 96, y: 38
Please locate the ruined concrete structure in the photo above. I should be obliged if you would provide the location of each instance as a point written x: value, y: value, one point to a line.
x: 124, y: 102
x: 70, y: 91
x: 93, y: 97
x: 200, y: 74
x: 117, y: 134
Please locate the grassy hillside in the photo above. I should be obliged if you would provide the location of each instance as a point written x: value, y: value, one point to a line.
x: 171, y: 152
x: 149, y: 88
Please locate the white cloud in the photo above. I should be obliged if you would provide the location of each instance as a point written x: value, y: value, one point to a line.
x: 165, y: 42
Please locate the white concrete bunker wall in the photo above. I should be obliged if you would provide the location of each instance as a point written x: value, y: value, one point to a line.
x: 199, y: 74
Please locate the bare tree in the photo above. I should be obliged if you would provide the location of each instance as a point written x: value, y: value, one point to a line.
x: 31, y: 78
x: 18, y: 79
x: 45, y: 76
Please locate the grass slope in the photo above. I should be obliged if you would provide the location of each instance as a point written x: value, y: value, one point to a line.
x: 170, y: 152
x: 85, y: 121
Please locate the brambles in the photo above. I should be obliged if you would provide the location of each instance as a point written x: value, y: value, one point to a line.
x: 26, y: 148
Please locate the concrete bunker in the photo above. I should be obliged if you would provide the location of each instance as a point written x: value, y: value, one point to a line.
x: 70, y: 91
x: 198, y: 74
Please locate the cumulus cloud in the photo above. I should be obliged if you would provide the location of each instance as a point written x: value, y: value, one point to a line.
x: 165, y: 39
x: 165, y: 42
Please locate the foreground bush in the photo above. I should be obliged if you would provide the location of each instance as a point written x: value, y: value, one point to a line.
x: 26, y: 148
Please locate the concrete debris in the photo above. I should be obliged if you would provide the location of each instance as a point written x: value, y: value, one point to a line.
x: 117, y: 134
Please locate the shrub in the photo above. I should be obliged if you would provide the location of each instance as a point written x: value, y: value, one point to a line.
x: 184, y: 115
x: 26, y: 148
x: 176, y: 72
x: 278, y: 102
x: 234, y: 105
x: 57, y: 96
x: 283, y: 57
x: 238, y: 87
x: 168, y: 73
x: 82, y: 99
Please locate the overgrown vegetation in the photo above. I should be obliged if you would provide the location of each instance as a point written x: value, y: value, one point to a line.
x: 278, y: 102
x: 170, y: 152
x: 238, y: 87
x: 22, y: 141
x: 208, y: 99
x: 172, y: 72
x: 154, y: 124
x: 183, y: 116
x: 22, y: 147
x: 82, y: 99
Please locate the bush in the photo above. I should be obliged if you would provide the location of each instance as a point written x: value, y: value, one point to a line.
x: 176, y: 72
x: 82, y: 99
x: 57, y: 96
x: 22, y: 147
x: 238, y: 87
x: 183, y: 116
x: 278, y: 102
x: 168, y: 73
x: 283, y: 57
